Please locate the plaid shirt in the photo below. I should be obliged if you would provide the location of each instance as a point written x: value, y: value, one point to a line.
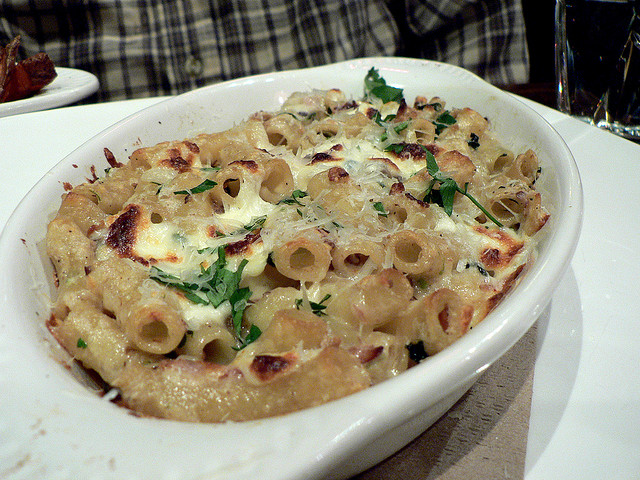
x: 139, y: 48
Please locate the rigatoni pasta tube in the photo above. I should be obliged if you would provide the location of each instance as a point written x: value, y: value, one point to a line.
x: 112, y: 192
x: 373, y: 301
x: 211, y: 343
x: 221, y: 149
x: 470, y: 121
x: 72, y: 257
x: 525, y: 167
x: 104, y: 347
x: 518, y: 204
x: 231, y: 180
x: 404, y: 209
x: 415, y: 253
x: 178, y: 155
x: 214, y: 393
x: 292, y: 328
x: 303, y: 259
x: 154, y: 327
x: 284, y: 130
x: 325, y: 128
x: 421, y: 130
x: 277, y: 182
x: 150, y: 323
x: 262, y: 311
x: 82, y: 210
x: 443, y: 318
x: 390, y: 356
x: 336, y: 192
x: 349, y: 257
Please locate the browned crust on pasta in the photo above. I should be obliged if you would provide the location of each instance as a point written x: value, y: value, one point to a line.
x: 199, y: 391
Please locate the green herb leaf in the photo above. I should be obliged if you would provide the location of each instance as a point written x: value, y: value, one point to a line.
x: 317, y: 308
x: 432, y: 195
x: 252, y: 336
x: 216, y: 285
x: 239, y: 300
x: 379, y: 207
x: 376, y: 86
x: 81, y: 343
x: 443, y: 121
x: 203, y: 187
x: 401, y: 126
x: 448, y: 189
x: 294, y: 199
x: 432, y: 165
x: 395, y: 148
x: 256, y: 223
x: 396, y: 128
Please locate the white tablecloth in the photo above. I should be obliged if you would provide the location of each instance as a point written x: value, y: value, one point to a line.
x: 585, y: 405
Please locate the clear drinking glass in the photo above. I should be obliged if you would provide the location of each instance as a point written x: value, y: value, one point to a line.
x: 598, y: 63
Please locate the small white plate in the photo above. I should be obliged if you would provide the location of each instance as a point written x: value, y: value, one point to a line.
x: 69, y: 86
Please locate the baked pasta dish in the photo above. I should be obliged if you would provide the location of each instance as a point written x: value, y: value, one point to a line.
x: 298, y: 257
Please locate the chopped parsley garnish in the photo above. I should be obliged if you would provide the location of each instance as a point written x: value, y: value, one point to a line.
x: 203, y: 187
x: 376, y: 86
x: 295, y: 197
x: 445, y: 195
x: 302, y: 116
x: 252, y: 336
x: 317, y: 308
x: 417, y: 353
x: 159, y: 185
x: 377, y: 117
x: 256, y: 223
x: 379, y: 207
x: 401, y: 126
x: 213, y: 286
x: 448, y: 189
x: 395, y: 148
x: 81, y: 343
x: 396, y: 128
x: 239, y: 299
x: 445, y: 120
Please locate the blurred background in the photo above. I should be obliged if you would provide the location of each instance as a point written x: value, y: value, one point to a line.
x: 539, y: 16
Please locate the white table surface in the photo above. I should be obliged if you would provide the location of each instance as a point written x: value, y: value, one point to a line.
x: 585, y: 416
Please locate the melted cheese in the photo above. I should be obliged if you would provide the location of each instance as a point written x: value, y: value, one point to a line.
x: 371, y: 169
x: 344, y: 267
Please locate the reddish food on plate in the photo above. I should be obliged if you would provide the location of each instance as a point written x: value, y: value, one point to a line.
x: 25, y: 78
